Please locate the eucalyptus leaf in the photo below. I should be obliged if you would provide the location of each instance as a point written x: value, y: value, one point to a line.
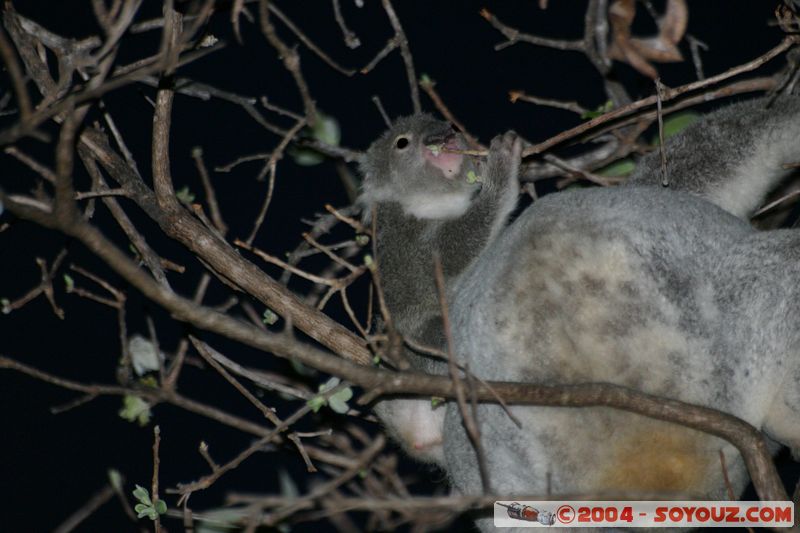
x: 142, y: 494
x: 623, y: 167
x: 676, y: 123
x: 143, y: 355
x: 269, y: 317
x: 134, y: 409
x: 326, y: 130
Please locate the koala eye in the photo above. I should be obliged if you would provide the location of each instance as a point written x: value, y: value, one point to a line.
x: 401, y: 142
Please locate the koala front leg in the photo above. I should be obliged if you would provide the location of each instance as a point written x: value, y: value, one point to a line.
x: 501, y: 174
x: 500, y: 187
x: 496, y: 200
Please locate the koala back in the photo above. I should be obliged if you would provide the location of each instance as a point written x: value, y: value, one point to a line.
x: 649, y: 288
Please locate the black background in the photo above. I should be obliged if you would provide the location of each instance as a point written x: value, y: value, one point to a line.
x: 50, y: 464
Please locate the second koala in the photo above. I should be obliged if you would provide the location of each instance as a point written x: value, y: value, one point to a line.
x: 664, y: 290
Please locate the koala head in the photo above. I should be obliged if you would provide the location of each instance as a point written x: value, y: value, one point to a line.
x: 409, y: 164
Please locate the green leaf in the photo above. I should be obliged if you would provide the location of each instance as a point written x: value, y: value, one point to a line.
x: 134, y: 409
x: 208, y: 40
x: 472, y: 177
x: 5, y: 303
x: 148, y: 381
x: 369, y: 262
x: 436, y: 401
x: 622, y: 167
x: 326, y: 130
x: 269, y: 317
x: 185, y: 195
x: 143, y: 510
x: 145, y: 507
x: 288, y: 486
x: 142, y: 494
x: 302, y: 369
x: 676, y: 123
x: 143, y: 355
x: 328, y: 385
x: 362, y: 240
x: 338, y: 401
x: 316, y: 403
x: 598, y: 111
x: 219, y: 520
x: 69, y: 283
x: 115, y: 478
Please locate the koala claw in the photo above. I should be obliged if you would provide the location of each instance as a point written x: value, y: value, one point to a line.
x: 508, y: 145
x: 502, y: 165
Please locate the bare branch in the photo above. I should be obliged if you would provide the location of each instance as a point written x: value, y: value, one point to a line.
x: 350, y: 38
x: 405, y: 51
x: 291, y: 60
x: 306, y: 41
x: 514, y: 36
x: 669, y: 94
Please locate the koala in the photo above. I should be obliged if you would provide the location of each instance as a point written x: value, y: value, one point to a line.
x: 732, y: 157
x: 665, y: 290
x: 428, y: 201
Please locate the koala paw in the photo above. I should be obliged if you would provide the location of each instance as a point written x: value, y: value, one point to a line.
x: 502, y: 165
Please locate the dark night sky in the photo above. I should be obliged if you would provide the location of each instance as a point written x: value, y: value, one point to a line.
x: 52, y: 463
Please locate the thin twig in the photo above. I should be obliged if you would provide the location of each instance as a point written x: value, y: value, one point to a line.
x: 17, y: 76
x: 272, y: 166
x: 514, y: 36
x: 429, y: 86
x: 309, y: 43
x: 661, y: 148
x: 350, y: 39
x: 154, y: 483
x: 468, y: 418
x: 669, y: 94
x: 208, y: 187
x: 86, y: 510
x: 377, y: 101
x: 205, y: 352
x: 575, y: 107
x: 291, y: 60
x: 405, y: 52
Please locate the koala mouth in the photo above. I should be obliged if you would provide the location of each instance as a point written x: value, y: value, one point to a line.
x: 434, y: 151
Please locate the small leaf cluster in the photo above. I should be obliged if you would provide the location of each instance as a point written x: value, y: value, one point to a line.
x: 337, y: 401
x: 146, y: 507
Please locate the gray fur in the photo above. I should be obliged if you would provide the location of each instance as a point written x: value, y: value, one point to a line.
x: 733, y: 157
x: 664, y: 290
x: 406, y: 244
x: 648, y: 288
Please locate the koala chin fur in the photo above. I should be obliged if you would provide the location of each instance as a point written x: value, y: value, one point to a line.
x: 668, y: 291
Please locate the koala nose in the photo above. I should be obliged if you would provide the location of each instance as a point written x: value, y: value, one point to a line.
x: 439, y: 137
